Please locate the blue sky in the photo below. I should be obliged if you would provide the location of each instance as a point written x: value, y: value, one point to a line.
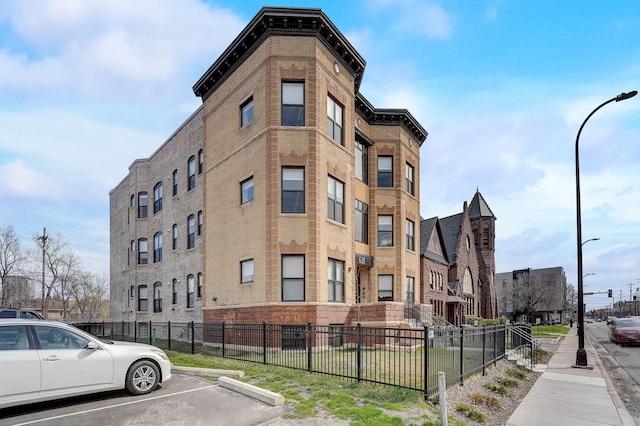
x: 501, y: 86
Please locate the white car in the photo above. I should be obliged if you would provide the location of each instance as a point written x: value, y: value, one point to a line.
x: 43, y: 360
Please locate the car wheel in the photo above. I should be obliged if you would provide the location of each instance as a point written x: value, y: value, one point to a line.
x: 142, y: 377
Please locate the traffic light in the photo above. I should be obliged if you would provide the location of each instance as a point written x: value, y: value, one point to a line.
x: 610, y: 293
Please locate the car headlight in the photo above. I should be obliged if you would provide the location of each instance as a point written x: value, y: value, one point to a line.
x: 160, y: 353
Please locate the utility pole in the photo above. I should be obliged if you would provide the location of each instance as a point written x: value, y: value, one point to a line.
x: 43, y: 238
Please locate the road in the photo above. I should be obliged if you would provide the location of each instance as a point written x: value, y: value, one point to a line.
x: 183, y: 400
x: 621, y: 363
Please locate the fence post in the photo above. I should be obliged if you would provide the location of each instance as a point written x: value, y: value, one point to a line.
x: 462, y: 354
x: 359, y: 351
x: 193, y: 338
x: 484, y: 350
x: 495, y: 344
x: 169, y: 334
x: 426, y: 362
x: 223, y: 346
x: 135, y: 331
x: 309, y: 347
x: 264, y: 342
x: 150, y: 333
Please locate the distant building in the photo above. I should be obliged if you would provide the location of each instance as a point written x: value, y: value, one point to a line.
x: 552, y: 308
x: 458, y: 263
x: 19, y: 291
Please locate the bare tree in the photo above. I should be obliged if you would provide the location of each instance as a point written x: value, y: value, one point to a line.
x: 528, y: 294
x: 11, y: 258
x: 90, y: 293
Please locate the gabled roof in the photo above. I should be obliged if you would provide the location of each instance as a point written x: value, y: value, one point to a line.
x: 451, y: 232
x: 479, y: 209
x: 427, y: 228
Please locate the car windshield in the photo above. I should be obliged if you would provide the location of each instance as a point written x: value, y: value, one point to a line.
x: 628, y: 322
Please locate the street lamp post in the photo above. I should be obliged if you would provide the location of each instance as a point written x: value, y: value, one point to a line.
x: 581, y: 354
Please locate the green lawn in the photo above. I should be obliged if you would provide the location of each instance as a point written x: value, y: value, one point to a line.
x: 549, y: 330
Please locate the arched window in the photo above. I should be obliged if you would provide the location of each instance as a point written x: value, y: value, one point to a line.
x: 467, y: 285
x: 157, y: 247
x: 190, y: 290
x: 157, y: 297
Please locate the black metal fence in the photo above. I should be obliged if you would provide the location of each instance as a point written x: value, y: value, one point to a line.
x: 405, y: 357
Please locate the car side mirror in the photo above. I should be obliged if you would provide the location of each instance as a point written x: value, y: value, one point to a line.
x: 92, y: 346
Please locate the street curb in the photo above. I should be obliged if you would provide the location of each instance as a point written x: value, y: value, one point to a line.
x: 211, y: 372
x: 255, y: 392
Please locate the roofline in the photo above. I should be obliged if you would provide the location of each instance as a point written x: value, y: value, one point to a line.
x: 390, y: 117
x: 282, y: 21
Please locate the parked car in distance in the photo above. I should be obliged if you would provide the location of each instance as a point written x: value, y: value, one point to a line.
x: 42, y: 360
x: 610, y: 319
x: 588, y: 320
x: 19, y: 313
x: 625, y: 330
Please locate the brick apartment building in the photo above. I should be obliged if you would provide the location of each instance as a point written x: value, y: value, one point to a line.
x: 286, y: 197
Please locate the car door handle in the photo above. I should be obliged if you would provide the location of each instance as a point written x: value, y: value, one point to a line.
x: 51, y: 358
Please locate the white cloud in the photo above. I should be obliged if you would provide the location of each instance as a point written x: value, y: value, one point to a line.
x: 22, y: 182
x: 428, y: 18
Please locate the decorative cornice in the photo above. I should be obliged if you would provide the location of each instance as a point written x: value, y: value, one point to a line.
x: 281, y: 21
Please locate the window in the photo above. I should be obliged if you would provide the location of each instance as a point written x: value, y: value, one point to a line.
x: 385, y: 288
x: 132, y: 202
x: 246, y: 271
x: 385, y: 172
x: 157, y: 197
x: 336, y: 280
x: 362, y: 162
x: 362, y: 222
x: 60, y: 339
x: 174, y: 291
x: 336, y: 200
x: 191, y: 173
x: 132, y: 292
x: 175, y: 182
x: 408, y: 176
x: 142, y: 204
x: 410, y: 289
x: 246, y: 112
x: 292, y: 104
x: 467, y: 282
x: 190, y: 291
x: 410, y: 229
x: 385, y: 231
x: 143, y: 251
x: 200, y: 222
x: 292, y: 278
x: 199, y: 284
x: 200, y: 161
x: 292, y: 190
x: 133, y: 246
x: 157, y: 297
x: 175, y: 237
x: 157, y: 247
x: 246, y: 190
x: 191, y: 229
x: 334, y: 120
x: 143, y: 301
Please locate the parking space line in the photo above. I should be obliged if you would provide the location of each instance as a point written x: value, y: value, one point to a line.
x: 114, y: 406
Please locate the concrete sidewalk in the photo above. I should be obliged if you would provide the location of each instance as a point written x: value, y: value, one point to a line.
x: 565, y: 395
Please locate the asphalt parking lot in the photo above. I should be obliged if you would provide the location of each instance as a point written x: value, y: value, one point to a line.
x: 183, y: 400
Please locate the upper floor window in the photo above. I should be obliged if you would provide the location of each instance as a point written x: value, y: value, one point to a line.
x: 293, y: 278
x: 293, y: 103
x: 200, y: 222
x: 143, y: 251
x: 362, y: 162
x: 157, y: 247
x: 191, y: 231
x: 157, y: 197
x: 132, y: 202
x: 175, y: 182
x: 246, y: 271
x: 385, y: 288
x: 385, y: 231
x: 385, y: 171
x: 199, y: 293
x: 143, y: 202
x: 191, y: 283
x: 200, y: 161
x: 362, y: 222
x: 408, y: 175
x: 246, y: 190
x: 410, y: 231
x: 336, y: 199
x: 335, y: 274
x: 175, y: 236
x: 191, y: 173
x: 292, y: 190
x: 143, y: 299
x: 174, y: 291
x: 334, y: 120
x: 157, y: 297
x: 246, y: 112
x: 410, y: 289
